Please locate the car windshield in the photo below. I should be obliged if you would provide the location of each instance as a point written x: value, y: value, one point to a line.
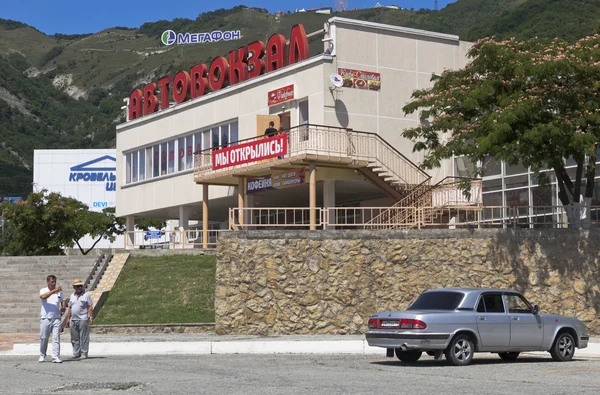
x: 443, y: 300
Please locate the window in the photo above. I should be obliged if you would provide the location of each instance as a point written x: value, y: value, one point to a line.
x: 491, y: 167
x: 149, y: 160
x: 142, y: 164
x: 464, y: 167
x: 492, y: 185
x: 156, y: 161
x: 163, y: 159
x: 128, y: 168
x: 517, y: 197
x: 134, y: 166
x: 233, y: 132
x: 516, y: 182
x: 490, y: 303
x: 224, y: 136
x: 517, y: 305
x: 189, y: 151
x: 215, y: 138
x: 181, y: 154
x: 171, y: 164
x: 439, y: 300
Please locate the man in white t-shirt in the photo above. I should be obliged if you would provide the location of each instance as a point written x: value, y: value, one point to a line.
x: 53, y: 306
x: 79, y: 318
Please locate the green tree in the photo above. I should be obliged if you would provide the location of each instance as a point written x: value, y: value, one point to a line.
x: 531, y: 102
x: 46, y: 223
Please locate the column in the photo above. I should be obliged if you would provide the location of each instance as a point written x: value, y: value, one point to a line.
x: 241, y: 192
x: 184, y: 218
x: 312, y: 200
x: 329, y: 201
x: 129, y: 232
x: 204, y: 215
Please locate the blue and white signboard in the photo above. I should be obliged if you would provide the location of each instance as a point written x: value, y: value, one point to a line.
x: 89, y: 176
x: 153, y: 234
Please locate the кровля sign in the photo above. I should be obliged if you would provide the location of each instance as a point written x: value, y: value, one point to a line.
x: 242, y: 64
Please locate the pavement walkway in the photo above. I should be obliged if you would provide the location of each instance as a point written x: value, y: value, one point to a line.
x: 27, y: 344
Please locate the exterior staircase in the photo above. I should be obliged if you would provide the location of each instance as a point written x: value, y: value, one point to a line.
x: 22, y: 279
x: 108, y: 279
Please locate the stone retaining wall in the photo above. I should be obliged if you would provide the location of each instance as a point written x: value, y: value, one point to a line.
x: 330, y: 282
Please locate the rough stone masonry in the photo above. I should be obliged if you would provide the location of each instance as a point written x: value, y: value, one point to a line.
x: 329, y: 282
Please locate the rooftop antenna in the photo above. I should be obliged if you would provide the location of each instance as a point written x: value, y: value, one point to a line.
x: 341, y: 6
x: 435, y: 4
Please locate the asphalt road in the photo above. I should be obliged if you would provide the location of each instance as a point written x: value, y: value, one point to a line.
x: 296, y: 374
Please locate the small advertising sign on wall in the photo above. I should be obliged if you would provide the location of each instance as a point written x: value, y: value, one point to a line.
x: 278, y: 180
x: 281, y: 95
x: 360, y: 79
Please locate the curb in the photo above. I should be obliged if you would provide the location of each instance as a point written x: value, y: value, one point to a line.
x: 333, y: 347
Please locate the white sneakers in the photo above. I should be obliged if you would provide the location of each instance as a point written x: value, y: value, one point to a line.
x: 84, y: 356
x: 42, y: 358
x: 57, y: 360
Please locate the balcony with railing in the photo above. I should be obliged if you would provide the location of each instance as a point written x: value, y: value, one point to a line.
x: 312, y: 143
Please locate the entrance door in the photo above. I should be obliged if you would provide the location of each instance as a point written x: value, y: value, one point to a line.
x: 492, y: 322
x: 285, y: 120
x: 526, y: 328
x: 262, y: 123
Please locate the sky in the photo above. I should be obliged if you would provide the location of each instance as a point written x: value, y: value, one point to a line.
x: 92, y: 16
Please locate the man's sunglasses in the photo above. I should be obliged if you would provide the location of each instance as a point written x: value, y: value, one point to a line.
x: 78, y: 286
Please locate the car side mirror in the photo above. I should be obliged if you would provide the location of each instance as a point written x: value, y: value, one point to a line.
x: 536, y: 309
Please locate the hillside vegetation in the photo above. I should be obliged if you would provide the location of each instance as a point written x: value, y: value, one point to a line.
x: 66, y: 91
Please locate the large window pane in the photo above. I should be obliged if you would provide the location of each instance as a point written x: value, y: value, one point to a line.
x: 163, y: 159
x: 549, y: 175
x: 181, y: 155
x: 516, y: 182
x: 128, y: 168
x: 142, y: 164
x: 492, y: 199
x: 492, y: 185
x: 516, y: 169
x: 199, y: 146
x: 215, y: 138
x: 491, y: 167
x: 156, y: 161
x: 171, y: 168
x: 543, y: 196
x: 233, y: 132
x: 206, y: 139
x: 518, y: 197
x: 149, y: 160
x: 464, y: 167
x: 224, y: 136
x: 189, y: 151
x: 134, y: 166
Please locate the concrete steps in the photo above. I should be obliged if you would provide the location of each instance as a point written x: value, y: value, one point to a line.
x: 22, y: 279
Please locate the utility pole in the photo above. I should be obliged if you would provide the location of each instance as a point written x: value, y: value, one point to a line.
x: 435, y: 5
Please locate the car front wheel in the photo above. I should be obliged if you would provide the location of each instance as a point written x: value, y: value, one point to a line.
x: 509, y: 356
x: 563, y: 348
x: 460, y: 351
x: 408, y: 356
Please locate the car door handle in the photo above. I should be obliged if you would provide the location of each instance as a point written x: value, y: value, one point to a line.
x: 481, y: 318
x: 515, y: 318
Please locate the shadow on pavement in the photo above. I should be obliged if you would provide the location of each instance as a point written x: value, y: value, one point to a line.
x: 477, y: 361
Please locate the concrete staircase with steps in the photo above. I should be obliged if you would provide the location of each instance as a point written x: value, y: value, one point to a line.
x: 108, y: 279
x: 22, y: 279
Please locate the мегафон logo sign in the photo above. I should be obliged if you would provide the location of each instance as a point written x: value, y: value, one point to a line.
x: 103, y: 172
x: 169, y: 37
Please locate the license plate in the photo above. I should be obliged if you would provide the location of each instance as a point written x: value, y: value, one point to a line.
x: 390, y: 324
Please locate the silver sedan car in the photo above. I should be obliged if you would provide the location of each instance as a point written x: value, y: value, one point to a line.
x: 457, y: 322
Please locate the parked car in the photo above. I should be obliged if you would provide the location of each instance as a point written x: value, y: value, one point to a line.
x: 458, y: 322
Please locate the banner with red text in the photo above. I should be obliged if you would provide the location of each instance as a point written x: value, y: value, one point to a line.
x: 253, y: 151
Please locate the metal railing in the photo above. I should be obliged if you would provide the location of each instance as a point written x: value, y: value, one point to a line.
x: 172, y: 239
x: 330, y: 144
x: 407, y: 217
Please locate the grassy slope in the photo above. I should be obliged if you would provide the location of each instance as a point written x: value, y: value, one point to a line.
x: 155, y: 290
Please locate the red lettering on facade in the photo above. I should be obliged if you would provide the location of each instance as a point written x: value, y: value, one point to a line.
x: 181, y: 87
x: 199, y: 81
x: 275, y: 52
x: 249, y: 152
x: 217, y: 75
x: 244, y: 63
x: 135, y: 104
x: 299, y: 49
x: 164, y: 83
x: 256, y: 63
x: 150, y: 99
x: 238, y: 69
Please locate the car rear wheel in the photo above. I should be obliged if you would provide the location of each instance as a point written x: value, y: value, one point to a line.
x: 460, y: 351
x: 509, y: 356
x: 408, y: 356
x: 563, y: 348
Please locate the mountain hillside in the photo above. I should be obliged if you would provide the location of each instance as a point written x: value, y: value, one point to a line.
x: 66, y: 91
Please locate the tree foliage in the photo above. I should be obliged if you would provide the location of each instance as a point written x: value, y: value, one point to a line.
x: 46, y: 223
x: 535, y: 102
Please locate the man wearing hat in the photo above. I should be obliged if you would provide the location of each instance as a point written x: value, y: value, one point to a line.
x: 79, y: 317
